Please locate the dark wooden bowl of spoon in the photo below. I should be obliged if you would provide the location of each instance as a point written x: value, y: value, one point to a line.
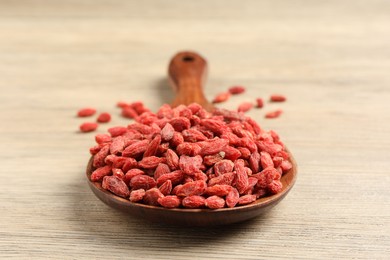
x: 187, y: 72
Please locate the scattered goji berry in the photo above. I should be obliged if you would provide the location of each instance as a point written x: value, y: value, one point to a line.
x: 274, y: 114
x: 84, y: 112
x: 259, y: 102
x: 245, y: 107
x: 221, y: 97
x: 104, y: 117
x: 277, y: 98
x: 88, y: 127
x: 236, y: 90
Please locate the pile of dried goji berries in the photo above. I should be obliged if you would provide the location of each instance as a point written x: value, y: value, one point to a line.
x: 186, y: 157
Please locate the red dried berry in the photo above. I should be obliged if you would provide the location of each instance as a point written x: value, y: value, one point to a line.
x: 142, y: 182
x: 151, y: 197
x: 215, y: 202
x: 277, y: 98
x: 169, y: 202
x: 232, y: 198
x: 242, y: 177
x: 99, y: 158
x: 180, y: 123
x: 84, y: 112
x: 153, y: 146
x: 118, y: 173
x: 136, y: 148
x: 167, y: 132
x: 221, y: 97
x: 116, y: 186
x: 117, y: 145
x: 175, y: 177
x: 226, y: 179
x: 137, y: 195
x: 172, y: 159
x: 236, y: 90
x: 192, y: 188
x: 193, y: 202
x: 246, y: 199
x: 245, y: 107
x: 190, y: 165
x: 223, y: 166
x: 166, y: 188
x: 104, y: 118
x: 130, y: 174
x: 219, y: 190
x: 88, y: 127
x: 259, y: 102
x: 150, y: 162
x: 99, y: 173
x: 117, y: 131
x: 161, y: 169
x: 102, y: 138
x: 266, y: 160
x: 274, y: 114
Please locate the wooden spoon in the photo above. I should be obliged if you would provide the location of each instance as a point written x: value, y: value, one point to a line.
x: 187, y: 71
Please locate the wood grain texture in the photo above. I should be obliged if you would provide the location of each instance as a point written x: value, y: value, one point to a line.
x: 330, y: 58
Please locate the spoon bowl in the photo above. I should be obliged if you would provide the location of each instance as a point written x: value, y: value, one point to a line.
x: 194, y: 217
x: 187, y: 72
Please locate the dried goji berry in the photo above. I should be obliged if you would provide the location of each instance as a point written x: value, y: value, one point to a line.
x: 99, y: 158
x: 273, y: 114
x: 99, y: 173
x: 277, y: 98
x: 167, y: 132
x: 218, y: 189
x: 246, y: 199
x: 117, y: 130
x: 150, y: 162
x: 223, y: 166
x: 172, y: 159
x: 190, y: 165
x: 116, y: 186
x: 194, y: 201
x: 104, y: 117
x: 151, y: 196
x: 142, y: 182
x: 137, y: 195
x: 166, y: 187
x: 84, y: 112
x: 102, y: 138
x: 130, y: 174
x: 236, y: 90
x: 245, y: 107
x: 242, y: 178
x: 175, y: 177
x: 192, y: 188
x: 117, y: 145
x: 161, y: 169
x: 88, y: 127
x: 221, y: 97
x: 153, y: 146
x: 232, y: 198
x: 259, y: 102
x: 171, y: 201
x: 214, y: 202
x: 226, y: 178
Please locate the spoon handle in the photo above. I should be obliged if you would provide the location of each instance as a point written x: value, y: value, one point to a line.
x: 187, y: 73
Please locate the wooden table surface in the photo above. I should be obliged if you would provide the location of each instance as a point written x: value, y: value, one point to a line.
x: 330, y: 58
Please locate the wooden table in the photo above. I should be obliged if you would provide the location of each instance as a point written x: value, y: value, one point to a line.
x: 331, y: 59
